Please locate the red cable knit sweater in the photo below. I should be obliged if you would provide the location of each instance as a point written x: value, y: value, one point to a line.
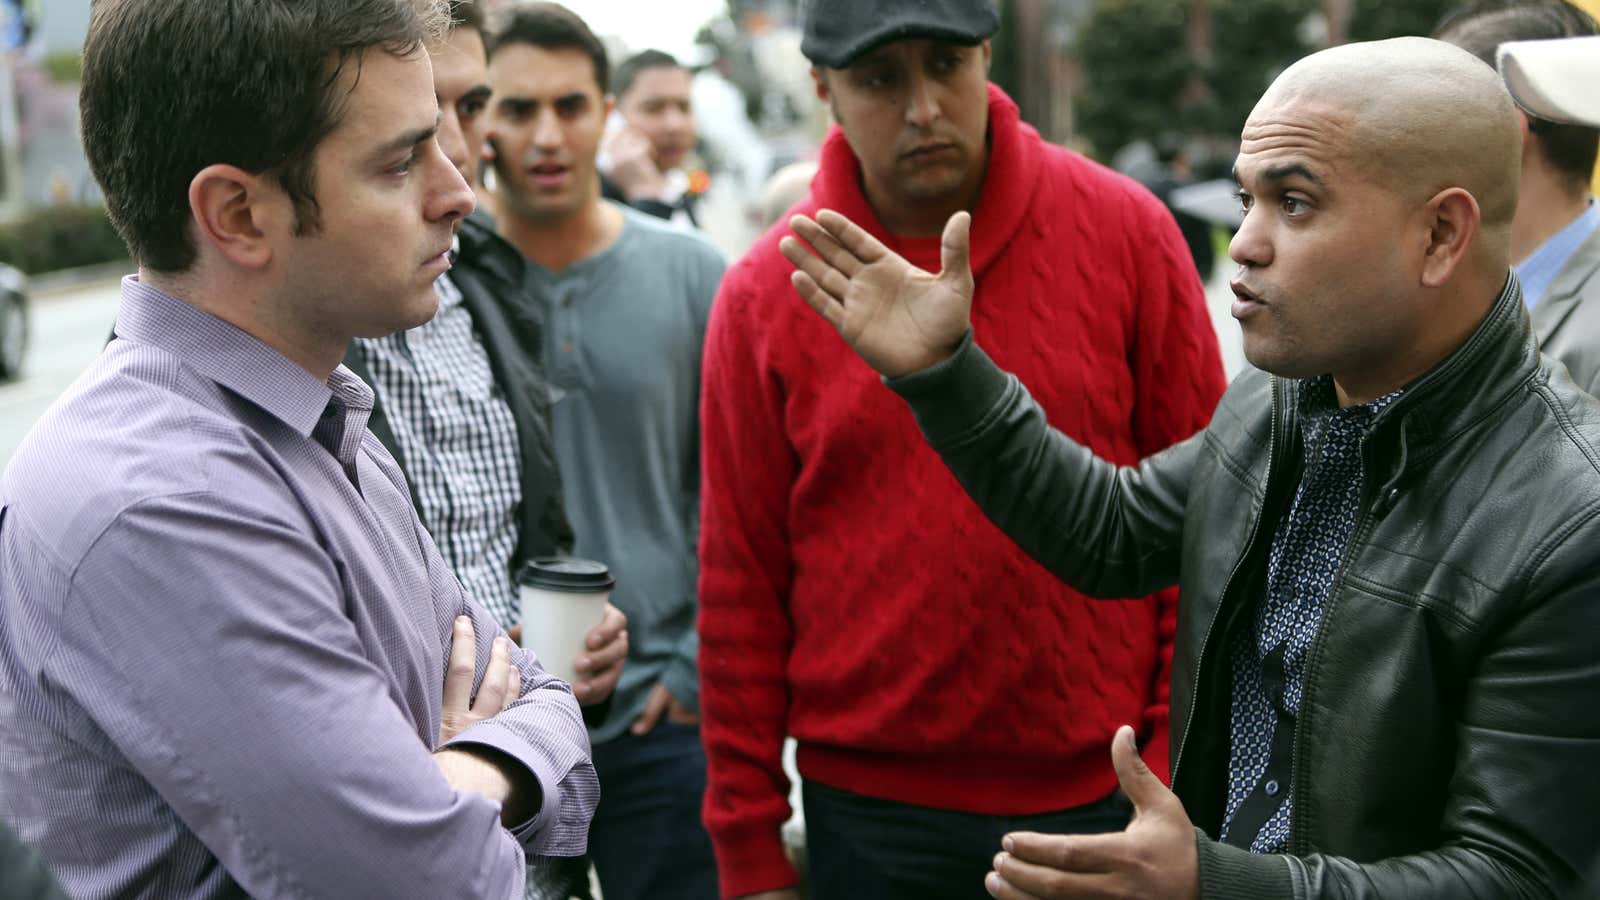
x: 852, y: 596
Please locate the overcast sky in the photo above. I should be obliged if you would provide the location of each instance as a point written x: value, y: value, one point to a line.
x: 668, y: 25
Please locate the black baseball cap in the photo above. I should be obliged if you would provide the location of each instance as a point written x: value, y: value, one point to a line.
x: 839, y: 31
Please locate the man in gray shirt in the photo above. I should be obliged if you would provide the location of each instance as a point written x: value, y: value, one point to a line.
x: 232, y: 662
x: 625, y: 300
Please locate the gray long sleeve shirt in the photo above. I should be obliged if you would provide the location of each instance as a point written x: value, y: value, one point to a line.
x: 624, y: 331
x: 223, y: 635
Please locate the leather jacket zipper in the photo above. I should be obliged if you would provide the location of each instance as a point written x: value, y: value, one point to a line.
x: 1298, y: 820
x: 1274, y: 446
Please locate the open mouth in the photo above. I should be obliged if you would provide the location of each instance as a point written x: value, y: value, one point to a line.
x: 548, y: 173
x: 1245, y: 301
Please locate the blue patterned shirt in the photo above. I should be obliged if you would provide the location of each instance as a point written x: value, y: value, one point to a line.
x: 1268, y: 661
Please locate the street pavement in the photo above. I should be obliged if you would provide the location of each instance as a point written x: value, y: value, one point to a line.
x: 68, y: 329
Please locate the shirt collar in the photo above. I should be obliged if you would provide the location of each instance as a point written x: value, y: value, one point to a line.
x: 1320, y: 401
x: 236, y: 360
x: 1540, y: 269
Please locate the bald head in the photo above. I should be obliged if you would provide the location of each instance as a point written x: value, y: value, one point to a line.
x: 1416, y: 114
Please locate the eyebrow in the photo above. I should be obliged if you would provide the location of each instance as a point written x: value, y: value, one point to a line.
x: 409, y: 139
x: 523, y: 104
x: 1283, y: 172
x: 480, y: 92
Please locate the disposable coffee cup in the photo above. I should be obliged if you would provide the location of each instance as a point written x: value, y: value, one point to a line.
x: 562, y: 598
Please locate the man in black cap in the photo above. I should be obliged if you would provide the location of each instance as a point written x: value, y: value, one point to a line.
x: 942, y: 687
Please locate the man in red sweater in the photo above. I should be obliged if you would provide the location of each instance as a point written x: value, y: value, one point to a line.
x: 944, y: 688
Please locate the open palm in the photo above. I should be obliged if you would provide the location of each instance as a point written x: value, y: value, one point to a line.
x: 899, y: 318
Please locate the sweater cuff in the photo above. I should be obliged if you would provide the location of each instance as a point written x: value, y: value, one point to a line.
x: 752, y: 861
x: 1229, y: 873
x: 954, y: 398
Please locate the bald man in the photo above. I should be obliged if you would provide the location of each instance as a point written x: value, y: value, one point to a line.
x: 1387, y: 540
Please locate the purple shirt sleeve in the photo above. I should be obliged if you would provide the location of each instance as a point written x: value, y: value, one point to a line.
x: 237, y: 687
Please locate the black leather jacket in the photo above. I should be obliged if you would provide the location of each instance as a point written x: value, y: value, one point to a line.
x: 1450, y: 728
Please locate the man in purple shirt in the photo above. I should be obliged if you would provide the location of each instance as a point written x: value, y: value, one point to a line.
x: 224, y: 634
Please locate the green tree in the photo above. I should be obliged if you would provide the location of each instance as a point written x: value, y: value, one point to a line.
x: 1374, y: 20
x: 1136, y: 64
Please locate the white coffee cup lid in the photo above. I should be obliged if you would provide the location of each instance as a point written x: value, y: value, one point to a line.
x: 566, y: 573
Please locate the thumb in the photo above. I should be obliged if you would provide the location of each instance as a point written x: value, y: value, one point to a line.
x: 1138, y: 782
x: 954, y: 250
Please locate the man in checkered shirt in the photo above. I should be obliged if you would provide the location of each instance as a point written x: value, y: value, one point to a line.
x: 462, y: 403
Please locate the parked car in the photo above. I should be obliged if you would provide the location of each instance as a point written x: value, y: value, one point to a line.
x: 13, y: 321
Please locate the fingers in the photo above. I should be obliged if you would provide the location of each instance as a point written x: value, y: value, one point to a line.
x: 492, y: 694
x: 820, y: 272
x: 1138, y: 782
x: 826, y: 305
x: 611, y: 625
x: 852, y: 237
x: 513, y: 684
x: 654, y: 708
x: 599, y: 686
x: 1068, y: 852
x: 597, y: 661
x: 457, y: 697
x: 825, y: 246
x: 1013, y: 879
x: 955, y: 247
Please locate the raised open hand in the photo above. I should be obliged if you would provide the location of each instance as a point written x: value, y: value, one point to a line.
x: 899, y: 318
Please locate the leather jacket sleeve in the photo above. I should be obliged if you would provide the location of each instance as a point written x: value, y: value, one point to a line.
x: 1516, y: 823
x: 1108, y: 531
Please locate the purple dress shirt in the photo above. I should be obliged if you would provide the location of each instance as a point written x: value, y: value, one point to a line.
x: 223, y: 635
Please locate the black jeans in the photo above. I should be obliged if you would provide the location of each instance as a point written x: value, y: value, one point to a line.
x: 861, y: 848
x: 646, y: 839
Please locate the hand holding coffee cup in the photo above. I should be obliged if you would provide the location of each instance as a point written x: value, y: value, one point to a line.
x: 599, y: 667
x: 563, y: 600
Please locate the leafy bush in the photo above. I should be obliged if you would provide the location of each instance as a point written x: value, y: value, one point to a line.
x: 60, y: 237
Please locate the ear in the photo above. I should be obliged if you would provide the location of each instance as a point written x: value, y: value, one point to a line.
x: 819, y: 78
x: 1527, y: 136
x: 611, y: 105
x: 988, y: 55
x: 234, y: 213
x: 1452, y: 217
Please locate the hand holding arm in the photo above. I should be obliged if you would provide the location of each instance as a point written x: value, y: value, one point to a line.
x: 899, y: 318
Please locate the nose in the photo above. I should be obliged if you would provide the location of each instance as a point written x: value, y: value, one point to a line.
x: 453, y: 141
x: 1252, y: 245
x: 450, y: 197
x: 922, y: 104
x: 547, y: 131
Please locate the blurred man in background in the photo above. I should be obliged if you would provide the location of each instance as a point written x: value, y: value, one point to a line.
x: 651, y: 136
x: 1555, y: 238
x: 625, y: 297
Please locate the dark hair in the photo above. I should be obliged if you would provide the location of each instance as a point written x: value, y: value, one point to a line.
x: 466, y: 14
x: 1481, y: 29
x: 173, y: 86
x: 551, y: 26
x: 630, y: 68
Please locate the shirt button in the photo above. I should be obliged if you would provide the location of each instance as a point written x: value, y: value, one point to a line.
x: 1272, y: 788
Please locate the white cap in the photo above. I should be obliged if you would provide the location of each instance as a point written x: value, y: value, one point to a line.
x: 1556, y: 79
